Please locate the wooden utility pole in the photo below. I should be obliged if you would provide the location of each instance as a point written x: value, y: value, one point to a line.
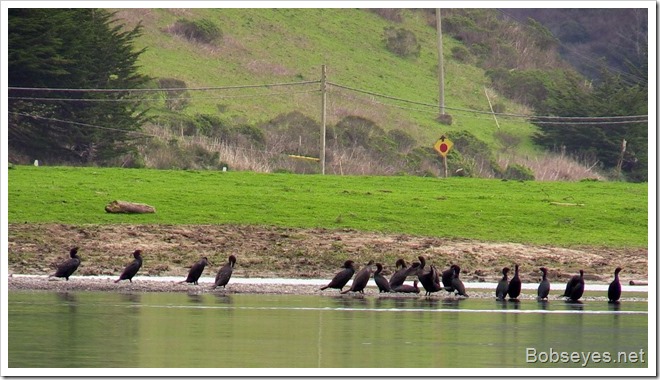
x: 441, y: 75
x: 323, y: 105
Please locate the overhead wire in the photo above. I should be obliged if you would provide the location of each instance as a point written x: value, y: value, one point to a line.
x: 54, y: 89
x: 539, y: 119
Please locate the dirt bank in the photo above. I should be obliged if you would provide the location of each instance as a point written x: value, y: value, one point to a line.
x: 298, y: 253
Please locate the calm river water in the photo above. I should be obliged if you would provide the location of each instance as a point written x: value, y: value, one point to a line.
x: 101, y: 329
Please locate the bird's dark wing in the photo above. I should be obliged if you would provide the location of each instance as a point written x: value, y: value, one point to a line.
x: 67, y: 268
x: 131, y: 270
x: 223, y: 276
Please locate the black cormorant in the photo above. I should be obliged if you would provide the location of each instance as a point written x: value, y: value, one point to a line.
x: 456, y: 282
x: 515, y: 285
x: 575, y: 287
x: 544, y: 286
x: 66, y: 268
x: 430, y: 280
x: 381, y: 281
x: 614, y: 291
x: 361, y: 279
x: 132, y: 268
x: 447, y: 275
x: 224, y: 274
x: 503, y: 285
x: 407, y: 288
x: 342, y: 277
x: 196, y: 271
x: 400, y: 275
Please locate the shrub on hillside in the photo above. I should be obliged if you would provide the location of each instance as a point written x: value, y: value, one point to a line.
x: 179, y: 124
x: 403, y: 141
x: 529, y: 87
x: 508, y: 140
x: 356, y: 131
x: 213, y: 126
x: 175, y: 100
x: 518, y: 172
x: 202, y: 30
x: 172, y: 154
x: 391, y: 14
x: 461, y: 54
x: 473, y: 156
x: 293, y: 133
x: 401, y: 42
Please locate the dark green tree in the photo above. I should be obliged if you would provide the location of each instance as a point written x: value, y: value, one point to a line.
x: 66, y: 50
x: 608, y: 116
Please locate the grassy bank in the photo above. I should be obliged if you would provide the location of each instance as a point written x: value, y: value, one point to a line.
x: 554, y: 213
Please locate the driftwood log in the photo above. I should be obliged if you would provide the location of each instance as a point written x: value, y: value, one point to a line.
x: 121, y: 207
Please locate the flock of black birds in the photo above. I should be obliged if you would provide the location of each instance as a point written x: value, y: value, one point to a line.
x: 432, y: 280
x: 68, y: 267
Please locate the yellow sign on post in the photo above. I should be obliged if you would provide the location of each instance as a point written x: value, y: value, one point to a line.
x: 443, y: 145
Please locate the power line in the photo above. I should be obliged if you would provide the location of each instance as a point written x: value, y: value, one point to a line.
x: 78, y: 123
x: 486, y: 112
x: 266, y: 85
x: 548, y: 119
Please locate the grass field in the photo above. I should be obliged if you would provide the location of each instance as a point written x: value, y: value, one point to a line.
x: 609, y: 214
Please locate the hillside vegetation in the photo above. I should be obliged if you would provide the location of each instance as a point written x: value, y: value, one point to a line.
x: 395, y: 55
x: 261, y: 46
x: 241, y: 89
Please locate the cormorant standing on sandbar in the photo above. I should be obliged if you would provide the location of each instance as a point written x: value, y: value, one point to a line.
x: 614, y: 291
x: 544, y: 286
x: 430, y: 280
x: 575, y: 287
x: 66, y: 268
x: 224, y: 274
x: 196, y: 271
x: 503, y: 285
x: 447, y: 276
x: 342, y: 277
x: 131, y: 269
x: 361, y: 279
x: 399, y: 277
x: 456, y: 282
x: 515, y: 285
x: 381, y: 281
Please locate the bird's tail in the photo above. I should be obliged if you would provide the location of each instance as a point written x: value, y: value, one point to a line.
x: 324, y: 288
x: 117, y: 280
x: 345, y: 291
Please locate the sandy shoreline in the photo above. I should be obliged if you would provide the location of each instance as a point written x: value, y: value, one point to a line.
x: 245, y: 286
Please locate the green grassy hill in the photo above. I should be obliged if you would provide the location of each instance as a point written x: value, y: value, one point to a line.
x: 262, y: 46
